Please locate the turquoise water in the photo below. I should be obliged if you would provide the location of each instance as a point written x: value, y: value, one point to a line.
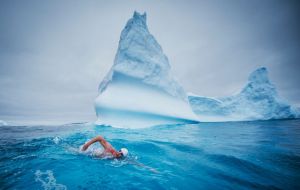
x: 232, y: 155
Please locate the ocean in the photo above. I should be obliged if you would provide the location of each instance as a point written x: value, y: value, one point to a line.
x: 229, y: 155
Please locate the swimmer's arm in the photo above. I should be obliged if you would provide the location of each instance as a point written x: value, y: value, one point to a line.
x: 96, y: 139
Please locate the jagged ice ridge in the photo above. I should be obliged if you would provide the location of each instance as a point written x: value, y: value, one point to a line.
x: 258, y: 100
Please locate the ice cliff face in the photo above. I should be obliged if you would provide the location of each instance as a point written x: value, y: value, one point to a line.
x: 139, y: 90
x: 258, y: 100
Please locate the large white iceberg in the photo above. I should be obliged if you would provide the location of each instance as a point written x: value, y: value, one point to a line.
x: 258, y: 100
x: 139, y: 90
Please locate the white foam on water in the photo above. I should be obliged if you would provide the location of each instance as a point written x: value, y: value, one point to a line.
x: 56, y: 140
x: 48, y: 180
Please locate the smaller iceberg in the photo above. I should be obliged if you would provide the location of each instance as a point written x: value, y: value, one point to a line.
x: 258, y: 100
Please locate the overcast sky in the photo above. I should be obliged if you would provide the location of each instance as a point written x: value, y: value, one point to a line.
x: 53, y: 54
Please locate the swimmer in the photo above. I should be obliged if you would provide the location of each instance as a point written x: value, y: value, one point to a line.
x: 108, y: 148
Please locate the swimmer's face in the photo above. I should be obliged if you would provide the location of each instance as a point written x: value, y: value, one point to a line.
x: 120, y: 154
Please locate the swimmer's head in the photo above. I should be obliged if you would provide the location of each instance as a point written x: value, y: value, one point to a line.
x: 124, y: 152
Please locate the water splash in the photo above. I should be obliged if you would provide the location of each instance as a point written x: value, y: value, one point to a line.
x: 57, y: 140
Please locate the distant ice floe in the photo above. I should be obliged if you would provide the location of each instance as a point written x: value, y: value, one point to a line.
x: 258, y: 100
x: 3, y: 123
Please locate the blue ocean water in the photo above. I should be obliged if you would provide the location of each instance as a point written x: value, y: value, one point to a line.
x: 232, y: 155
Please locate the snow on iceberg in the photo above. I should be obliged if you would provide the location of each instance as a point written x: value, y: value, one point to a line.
x: 258, y: 100
x: 139, y: 90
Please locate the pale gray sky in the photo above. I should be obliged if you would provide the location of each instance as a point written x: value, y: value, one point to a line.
x: 53, y: 54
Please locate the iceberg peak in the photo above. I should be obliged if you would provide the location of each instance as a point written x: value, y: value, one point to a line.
x: 259, y: 84
x: 260, y: 75
x: 139, y: 17
x: 137, y: 22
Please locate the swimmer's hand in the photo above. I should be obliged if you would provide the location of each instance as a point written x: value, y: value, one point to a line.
x: 84, y: 147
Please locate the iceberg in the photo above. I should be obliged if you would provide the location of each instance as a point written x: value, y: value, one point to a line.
x: 258, y: 100
x: 139, y: 90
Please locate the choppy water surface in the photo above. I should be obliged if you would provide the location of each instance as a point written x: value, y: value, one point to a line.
x: 233, y: 155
